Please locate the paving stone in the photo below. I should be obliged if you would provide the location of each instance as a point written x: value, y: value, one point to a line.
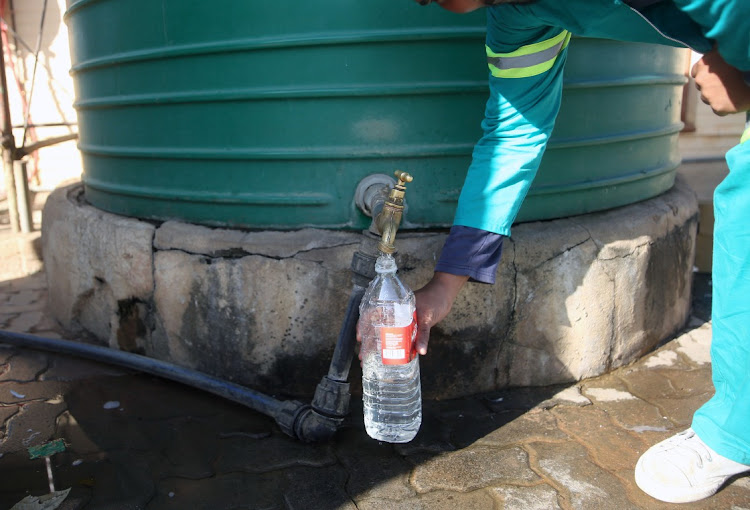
x: 317, y: 489
x: 677, y: 394
x: 76, y: 438
x: 63, y: 368
x: 119, y: 481
x: 35, y: 281
x: 468, y: 431
x: 473, y: 468
x: 609, y: 446
x: 6, y: 411
x: 571, y: 396
x: 143, y: 397
x: 7, y: 352
x: 434, y: 435
x: 275, y: 452
x: 25, y: 366
x: 5, y: 318
x: 12, y: 392
x: 696, y: 345
x: 191, y: 449
x: 23, y: 298
x: 32, y: 425
x: 631, y: 412
x: 663, y: 358
x: 580, y: 481
x: 375, y: 470
x: 537, y: 497
x: 535, y: 425
x: 25, y: 322
x: 236, y: 491
x: 437, y: 500
x: 661, y: 383
x: 522, y: 399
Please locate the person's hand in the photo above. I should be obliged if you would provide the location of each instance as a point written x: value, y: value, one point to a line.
x: 434, y: 302
x: 722, y: 87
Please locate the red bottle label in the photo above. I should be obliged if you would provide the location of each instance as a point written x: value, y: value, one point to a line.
x: 397, y: 345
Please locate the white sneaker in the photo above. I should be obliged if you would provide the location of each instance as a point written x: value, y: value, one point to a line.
x: 683, y: 468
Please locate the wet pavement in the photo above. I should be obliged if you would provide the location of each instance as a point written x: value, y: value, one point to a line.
x: 134, y: 441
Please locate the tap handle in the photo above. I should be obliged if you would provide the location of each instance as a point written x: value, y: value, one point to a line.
x: 403, y: 177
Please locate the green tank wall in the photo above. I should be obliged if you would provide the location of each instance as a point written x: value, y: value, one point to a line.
x: 267, y: 114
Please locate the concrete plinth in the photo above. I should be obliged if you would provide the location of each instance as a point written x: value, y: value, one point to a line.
x: 574, y: 298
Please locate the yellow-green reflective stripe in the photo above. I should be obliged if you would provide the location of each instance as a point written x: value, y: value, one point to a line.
x: 745, y: 135
x: 529, y: 60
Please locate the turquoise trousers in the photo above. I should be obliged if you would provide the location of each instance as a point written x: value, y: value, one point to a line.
x: 723, y: 423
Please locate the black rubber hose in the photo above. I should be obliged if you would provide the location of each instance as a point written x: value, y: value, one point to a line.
x: 277, y: 409
x: 344, y: 351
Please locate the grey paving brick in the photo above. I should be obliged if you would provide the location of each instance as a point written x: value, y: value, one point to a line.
x: 62, y: 368
x: 537, y: 497
x: 473, y: 468
x: 662, y: 383
x: 238, y: 454
x: 25, y: 322
x: 375, y: 469
x: 76, y: 438
x: 317, y: 489
x: 24, y: 298
x: 438, y: 500
x: 191, y: 449
x: 32, y: 425
x: 25, y: 366
x: 235, y: 490
x: 581, y: 482
x: 535, y: 425
x: 609, y: 446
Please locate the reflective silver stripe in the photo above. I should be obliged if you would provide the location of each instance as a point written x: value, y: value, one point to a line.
x: 530, y: 60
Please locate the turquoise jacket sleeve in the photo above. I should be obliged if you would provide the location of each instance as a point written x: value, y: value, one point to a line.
x: 519, y: 117
x: 725, y: 21
x: 521, y: 112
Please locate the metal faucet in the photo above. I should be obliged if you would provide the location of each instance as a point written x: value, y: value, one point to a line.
x: 388, y: 220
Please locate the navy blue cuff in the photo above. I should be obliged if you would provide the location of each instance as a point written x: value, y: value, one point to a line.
x: 471, y: 252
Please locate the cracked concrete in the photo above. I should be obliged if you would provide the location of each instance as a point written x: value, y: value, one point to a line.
x: 574, y: 298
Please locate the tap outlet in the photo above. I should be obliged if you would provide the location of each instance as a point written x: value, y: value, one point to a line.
x: 389, y: 219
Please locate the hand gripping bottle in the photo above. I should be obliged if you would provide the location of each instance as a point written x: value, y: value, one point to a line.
x: 392, y: 394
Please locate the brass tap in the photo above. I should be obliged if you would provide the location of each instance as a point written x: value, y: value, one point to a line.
x: 388, y: 220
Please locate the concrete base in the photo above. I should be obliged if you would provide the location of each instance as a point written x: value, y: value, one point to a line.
x: 574, y: 297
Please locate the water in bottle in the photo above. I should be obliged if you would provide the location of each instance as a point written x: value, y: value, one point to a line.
x: 391, y: 388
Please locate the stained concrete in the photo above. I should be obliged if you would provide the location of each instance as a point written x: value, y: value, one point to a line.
x: 574, y: 298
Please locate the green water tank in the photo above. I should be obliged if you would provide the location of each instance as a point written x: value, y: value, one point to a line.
x: 268, y: 114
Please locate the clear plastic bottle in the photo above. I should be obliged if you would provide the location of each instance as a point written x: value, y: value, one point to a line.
x: 391, y: 388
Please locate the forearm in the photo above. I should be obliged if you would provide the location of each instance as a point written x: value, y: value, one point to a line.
x: 459, y: 6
